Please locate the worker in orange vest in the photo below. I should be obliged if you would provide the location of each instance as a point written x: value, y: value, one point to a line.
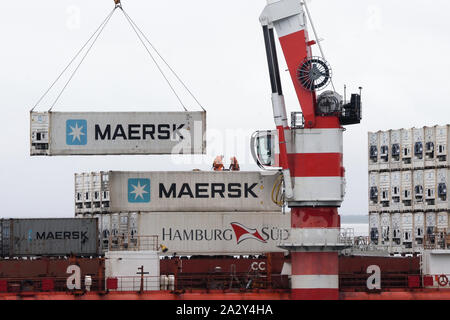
x: 218, y: 163
x: 234, y: 166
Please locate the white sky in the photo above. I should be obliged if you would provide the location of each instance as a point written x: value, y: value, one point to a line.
x: 397, y: 50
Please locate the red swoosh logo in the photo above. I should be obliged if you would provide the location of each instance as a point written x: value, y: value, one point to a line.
x: 244, y: 233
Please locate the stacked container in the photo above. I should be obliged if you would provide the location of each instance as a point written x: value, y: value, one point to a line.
x: 409, y: 176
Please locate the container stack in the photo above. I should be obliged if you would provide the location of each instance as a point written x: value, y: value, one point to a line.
x: 409, y: 175
x: 192, y: 213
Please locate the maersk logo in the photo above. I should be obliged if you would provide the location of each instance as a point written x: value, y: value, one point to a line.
x: 76, y: 132
x: 138, y: 190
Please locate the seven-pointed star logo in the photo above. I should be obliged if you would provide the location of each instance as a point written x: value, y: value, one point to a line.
x: 138, y: 190
x: 76, y: 132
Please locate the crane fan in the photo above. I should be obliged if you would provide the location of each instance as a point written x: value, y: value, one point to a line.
x: 314, y: 73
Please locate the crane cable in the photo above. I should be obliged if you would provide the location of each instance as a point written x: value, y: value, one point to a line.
x: 96, y: 35
x: 73, y: 59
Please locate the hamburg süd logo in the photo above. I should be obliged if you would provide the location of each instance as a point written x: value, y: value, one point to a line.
x: 138, y: 190
x: 76, y: 132
x: 244, y: 233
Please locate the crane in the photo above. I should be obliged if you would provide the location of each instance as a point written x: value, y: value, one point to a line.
x: 309, y: 151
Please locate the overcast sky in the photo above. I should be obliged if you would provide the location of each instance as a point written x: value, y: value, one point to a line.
x: 396, y: 50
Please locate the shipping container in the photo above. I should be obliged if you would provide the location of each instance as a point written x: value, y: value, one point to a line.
x: 442, y: 198
x: 178, y: 191
x: 374, y: 204
x: 395, y: 139
x: 203, y: 233
x: 406, y: 145
x: 442, y: 145
x: 373, y: 151
x: 396, y: 229
x: 430, y: 189
x: 418, y: 148
x: 407, y: 229
x: 384, y: 150
x: 442, y: 220
x: 430, y: 147
x: 396, y: 178
x: 385, y: 186
x: 117, y: 133
x: 419, y: 228
x: 385, y: 224
x: 374, y: 227
x: 430, y: 222
x: 49, y: 237
x: 419, y: 196
x: 407, y: 191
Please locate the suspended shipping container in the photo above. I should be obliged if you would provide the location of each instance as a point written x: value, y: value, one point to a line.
x: 117, y: 133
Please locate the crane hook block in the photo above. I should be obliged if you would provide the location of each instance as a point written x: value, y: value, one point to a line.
x: 117, y: 2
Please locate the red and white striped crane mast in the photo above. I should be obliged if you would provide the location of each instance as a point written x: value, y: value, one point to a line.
x: 310, y: 155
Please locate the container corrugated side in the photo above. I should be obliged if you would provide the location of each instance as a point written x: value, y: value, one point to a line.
x: 116, y: 133
x: 50, y: 237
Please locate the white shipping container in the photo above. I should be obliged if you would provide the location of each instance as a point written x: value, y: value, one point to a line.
x: 407, y: 227
x: 192, y: 233
x: 374, y: 204
x: 430, y: 189
x: 186, y: 191
x: 373, y: 151
x: 442, y: 220
x: 406, y: 148
x: 395, y: 139
x: 442, y: 183
x: 419, y: 227
x: 116, y: 133
x: 386, y: 228
x: 385, y: 185
x: 418, y: 148
x: 407, y: 190
x: 374, y: 227
x: 384, y: 150
x: 418, y: 185
x: 430, y: 147
x: 396, y: 228
x: 442, y: 145
x: 395, y: 190
x: 430, y: 222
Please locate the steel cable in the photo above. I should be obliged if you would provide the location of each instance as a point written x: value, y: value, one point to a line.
x: 73, y: 59
x: 136, y: 27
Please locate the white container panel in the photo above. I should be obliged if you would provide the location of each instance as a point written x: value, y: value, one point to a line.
x: 442, y: 145
x: 430, y: 147
x: 217, y: 232
x: 395, y: 150
x: 406, y: 148
x: 430, y: 222
x: 419, y: 225
x: 407, y: 191
x: 430, y: 189
x: 419, y: 190
x: 373, y: 152
x: 384, y: 150
x: 442, y: 197
x: 442, y: 220
x: 384, y: 181
x: 116, y: 133
x: 386, y: 229
x: 374, y: 192
x: 418, y: 148
x: 396, y: 228
x: 407, y: 227
x: 395, y: 189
